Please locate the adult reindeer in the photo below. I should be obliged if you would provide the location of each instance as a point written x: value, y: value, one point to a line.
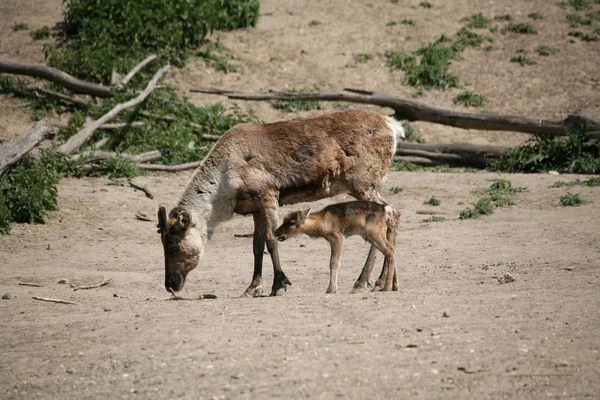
x: 255, y: 168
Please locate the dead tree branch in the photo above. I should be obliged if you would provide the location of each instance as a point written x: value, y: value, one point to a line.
x: 119, y: 125
x: 12, y: 152
x: 83, y: 135
x: 170, y: 168
x: 137, y: 69
x: 56, y: 76
x: 144, y: 189
x: 487, y: 150
x: 414, y: 111
x: 98, y: 155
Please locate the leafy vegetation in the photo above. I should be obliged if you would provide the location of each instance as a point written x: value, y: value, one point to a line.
x: 101, y: 34
x: 495, y: 196
x: 481, y: 207
x: 407, y: 21
x: 571, y: 200
x: 364, y: 57
x: 41, y: 33
x: 546, y: 50
x: 505, y: 17
x: 470, y: 99
x: 425, y: 4
x: 522, y: 60
x: 478, y: 21
x: 578, y: 5
x: 433, y: 201
x: 535, y: 16
x: 20, y: 27
x: 521, y: 28
x: 575, y: 21
x: 570, y: 154
x: 396, y: 190
x: 411, y: 134
x: 591, y: 181
x: 585, y: 37
x: 297, y: 105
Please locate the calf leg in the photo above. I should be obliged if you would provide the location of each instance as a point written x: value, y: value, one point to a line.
x: 337, y: 243
x: 364, y: 282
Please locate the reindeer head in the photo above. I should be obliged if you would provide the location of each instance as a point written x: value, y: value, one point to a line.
x: 181, y: 252
x: 292, y: 225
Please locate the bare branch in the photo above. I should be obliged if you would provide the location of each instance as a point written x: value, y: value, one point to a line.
x: 414, y: 111
x: 56, y: 76
x: 488, y: 150
x: 48, y: 94
x: 137, y: 69
x: 29, y: 284
x: 13, y: 151
x: 470, y: 160
x: 170, y: 168
x: 83, y: 135
x: 144, y: 189
x: 53, y: 300
x: 100, y: 143
x: 97, y: 155
x: 119, y: 125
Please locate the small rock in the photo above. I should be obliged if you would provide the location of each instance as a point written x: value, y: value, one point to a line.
x: 411, y: 346
x: 562, y: 364
x: 445, y: 315
x: 106, y: 309
x: 48, y: 248
x: 302, y: 245
x: 115, y: 295
x: 6, y: 296
x: 505, y: 278
x: 553, y: 173
x: 63, y: 281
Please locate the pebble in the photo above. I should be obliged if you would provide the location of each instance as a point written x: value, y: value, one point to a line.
x: 6, y: 296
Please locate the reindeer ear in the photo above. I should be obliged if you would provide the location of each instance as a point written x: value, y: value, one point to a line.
x: 162, y: 221
x: 304, y: 214
x: 184, y: 218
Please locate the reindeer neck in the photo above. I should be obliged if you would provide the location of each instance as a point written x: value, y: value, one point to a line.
x: 204, y: 200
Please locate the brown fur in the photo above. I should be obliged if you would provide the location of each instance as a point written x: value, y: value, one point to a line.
x: 254, y: 168
x: 335, y: 222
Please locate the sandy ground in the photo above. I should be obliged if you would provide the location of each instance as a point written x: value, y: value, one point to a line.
x: 452, y: 331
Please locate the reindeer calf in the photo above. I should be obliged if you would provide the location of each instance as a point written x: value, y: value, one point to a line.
x: 376, y: 223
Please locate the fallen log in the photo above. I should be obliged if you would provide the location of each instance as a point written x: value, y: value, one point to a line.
x: 415, y: 111
x: 56, y: 76
x: 84, y: 134
x: 13, y: 151
x: 483, y: 149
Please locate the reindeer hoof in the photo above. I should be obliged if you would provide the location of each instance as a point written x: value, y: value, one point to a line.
x: 280, y: 284
x: 253, y: 292
x: 361, y: 287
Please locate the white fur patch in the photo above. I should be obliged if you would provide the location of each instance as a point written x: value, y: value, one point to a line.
x: 397, y: 129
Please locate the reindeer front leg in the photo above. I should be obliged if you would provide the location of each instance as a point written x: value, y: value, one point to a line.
x: 258, y: 246
x: 337, y: 243
x: 280, y: 281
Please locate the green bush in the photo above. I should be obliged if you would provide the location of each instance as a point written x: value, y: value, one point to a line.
x: 571, y: 200
x: 470, y: 99
x: 27, y: 192
x: 481, y: 207
x: 102, y: 34
x: 568, y: 154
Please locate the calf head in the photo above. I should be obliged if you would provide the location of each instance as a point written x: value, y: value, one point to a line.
x: 181, y: 253
x: 292, y: 225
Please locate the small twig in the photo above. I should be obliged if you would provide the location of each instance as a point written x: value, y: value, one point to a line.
x: 142, y: 188
x: 200, y: 297
x: 535, y: 375
x: 29, y: 284
x: 137, y: 68
x: 92, y: 286
x: 243, y: 235
x: 100, y: 143
x: 53, y: 300
x: 429, y: 212
x: 142, y: 217
x: 170, y: 168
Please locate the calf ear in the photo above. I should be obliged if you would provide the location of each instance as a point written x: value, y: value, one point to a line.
x: 304, y: 214
x: 162, y: 221
x: 184, y: 219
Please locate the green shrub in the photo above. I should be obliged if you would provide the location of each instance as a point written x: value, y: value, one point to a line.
x: 591, y: 181
x: 568, y: 154
x: 521, y: 28
x: 41, y: 33
x: 578, y: 5
x: 546, y: 50
x: 535, y: 16
x: 20, y: 27
x: 364, y: 57
x: 433, y: 201
x: 402, y: 165
x: 575, y: 21
x: 28, y: 191
x: 432, y: 72
x: 434, y: 218
x: 466, y: 38
x: 585, y: 37
x: 102, y: 34
x: 478, y: 21
x: 571, y: 200
x: 425, y: 4
x: 522, y: 60
x: 411, y: 134
x: 481, y: 207
x: 470, y: 99
x: 407, y: 21
x: 396, y: 190
x: 505, y: 17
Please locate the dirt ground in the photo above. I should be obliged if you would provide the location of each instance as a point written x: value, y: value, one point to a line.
x: 452, y: 331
